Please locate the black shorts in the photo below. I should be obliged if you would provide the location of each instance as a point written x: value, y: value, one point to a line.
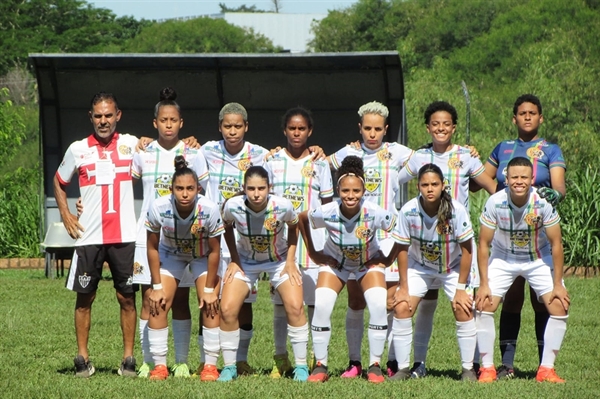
x: 86, y: 267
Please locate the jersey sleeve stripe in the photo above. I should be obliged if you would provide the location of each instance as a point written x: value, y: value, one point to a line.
x: 487, y: 222
x: 467, y: 235
x: 478, y: 171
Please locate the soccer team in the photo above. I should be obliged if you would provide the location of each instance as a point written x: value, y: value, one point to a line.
x: 273, y: 212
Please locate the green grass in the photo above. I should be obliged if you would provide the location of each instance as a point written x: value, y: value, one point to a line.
x: 37, y: 346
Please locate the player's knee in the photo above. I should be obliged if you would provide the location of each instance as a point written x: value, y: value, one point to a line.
x: 403, y: 311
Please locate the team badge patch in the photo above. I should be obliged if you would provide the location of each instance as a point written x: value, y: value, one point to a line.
x: 384, y: 155
x: 520, y: 238
x: 294, y: 194
x: 259, y: 243
x: 162, y: 185
x: 372, y: 179
x: 229, y: 187
x: 308, y: 172
x: 84, y: 280
x: 244, y: 164
x: 363, y: 233
x: 197, y: 230
x: 124, y: 149
x: 271, y: 224
x: 444, y: 229
x: 352, y: 252
x: 535, y: 153
x: 431, y: 251
x: 532, y: 219
x: 138, y: 268
x: 454, y: 163
x: 185, y: 246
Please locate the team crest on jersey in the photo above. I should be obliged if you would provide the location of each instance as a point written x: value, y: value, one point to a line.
x: 138, y: 268
x: 431, y: 251
x: 197, y: 230
x: 352, y: 252
x: 84, y: 280
x: 520, y: 238
x: 229, y: 186
x: 532, y: 219
x: 259, y: 243
x: 271, y: 224
x: 295, y: 195
x: 363, y: 233
x: 444, y: 229
x: 162, y: 185
x: 244, y: 164
x: 372, y: 179
x: 535, y: 153
x: 185, y: 246
x: 447, y: 186
x: 124, y: 149
x: 384, y: 155
x: 455, y: 163
x: 308, y: 172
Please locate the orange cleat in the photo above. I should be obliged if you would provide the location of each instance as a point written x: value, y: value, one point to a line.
x: 160, y: 372
x: 319, y: 374
x: 209, y: 373
x: 374, y: 374
x: 548, y: 374
x: 487, y: 374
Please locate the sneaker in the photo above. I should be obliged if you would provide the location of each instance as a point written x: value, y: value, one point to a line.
x: 392, y: 367
x: 180, y: 370
x: 354, y: 370
x: 487, y: 374
x: 468, y: 375
x: 229, y: 373
x: 243, y: 368
x: 548, y: 374
x: 301, y: 373
x: 209, y: 373
x: 127, y: 368
x: 401, y: 374
x: 319, y: 374
x: 144, y: 371
x: 281, y: 366
x: 160, y: 372
x: 505, y: 372
x: 83, y: 369
x: 418, y: 370
x: 374, y: 374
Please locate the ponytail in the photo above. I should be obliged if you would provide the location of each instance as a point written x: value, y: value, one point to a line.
x: 446, y: 208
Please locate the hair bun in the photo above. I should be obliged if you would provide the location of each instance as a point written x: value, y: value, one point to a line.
x: 353, y: 162
x: 168, y: 94
x: 180, y: 162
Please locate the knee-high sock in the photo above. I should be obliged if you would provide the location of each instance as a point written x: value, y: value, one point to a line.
x: 541, y: 319
x: 246, y: 333
x: 158, y: 342
x: 486, y: 334
x: 211, y: 346
x: 355, y: 328
x: 423, y: 328
x: 143, y: 328
x: 510, y: 324
x: 376, y: 299
x: 280, y: 331
x: 402, y: 335
x: 321, y: 327
x: 553, y: 338
x: 299, y: 340
x: 467, y: 341
x: 230, y: 341
x: 390, y: 337
x: 182, y: 331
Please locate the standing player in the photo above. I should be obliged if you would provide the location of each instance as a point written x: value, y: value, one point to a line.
x: 184, y: 227
x: 260, y: 220
x: 106, y: 231
x: 434, y: 234
x: 524, y: 232
x: 306, y: 182
x: 549, y: 176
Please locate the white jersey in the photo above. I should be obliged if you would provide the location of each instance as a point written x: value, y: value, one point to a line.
x: 304, y: 182
x: 457, y: 165
x: 352, y: 241
x: 520, y: 232
x: 431, y: 245
x: 184, y: 238
x: 105, y: 186
x: 261, y: 236
x: 155, y: 167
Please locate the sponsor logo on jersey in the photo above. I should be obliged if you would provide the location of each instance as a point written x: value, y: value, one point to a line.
x: 384, y: 155
x: 412, y: 212
x: 520, y: 238
x: 162, y: 185
x: 352, y: 252
x: 184, y: 246
x: 372, y: 179
x: 138, y: 268
x: 124, y: 149
x: 535, y: 153
x: 295, y: 195
x: 229, y: 186
x: 363, y: 233
x: 259, y: 243
x: 84, y: 280
x: 431, y: 251
x: 271, y: 224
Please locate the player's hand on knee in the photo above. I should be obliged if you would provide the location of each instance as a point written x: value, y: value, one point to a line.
x: 483, y: 297
x: 462, y: 301
x: 560, y: 293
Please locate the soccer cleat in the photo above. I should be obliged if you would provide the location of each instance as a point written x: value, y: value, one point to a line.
x: 144, y: 371
x: 548, y: 374
x: 180, y: 370
x: 354, y: 370
x: 401, y: 374
x: 301, y: 373
x: 127, y: 368
x: 391, y: 367
x: 281, y: 366
x: 468, y: 375
x: 374, y: 374
x: 229, y: 373
x: 83, y: 369
x: 487, y: 374
x: 209, y: 373
x: 311, y: 360
x: 505, y: 372
x: 418, y: 370
x: 243, y: 368
x: 159, y: 373
x: 319, y: 374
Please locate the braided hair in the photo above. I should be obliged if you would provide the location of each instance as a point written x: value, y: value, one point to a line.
x: 446, y: 208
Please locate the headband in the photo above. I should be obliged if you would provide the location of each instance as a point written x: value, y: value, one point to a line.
x: 350, y: 174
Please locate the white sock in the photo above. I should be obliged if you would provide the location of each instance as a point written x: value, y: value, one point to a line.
x: 143, y: 328
x: 376, y: 299
x: 230, y: 341
x: 321, y: 327
x: 423, y: 328
x: 280, y: 331
x: 390, y: 337
x: 553, y: 338
x: 311, y: 313
x: 211, y: 345
x: 402, y: 334
x: 299, y: 339
x: 182, y: 331
x: 486, y: 335
x: 245, y: 338
x: 355, y: 328
x: 158, y: 342
x: 201, y: 346
x: 467, y: 341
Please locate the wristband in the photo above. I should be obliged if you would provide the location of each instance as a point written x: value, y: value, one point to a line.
x: 157, y: 287
x: 461, y: 287
x: 208, y: 290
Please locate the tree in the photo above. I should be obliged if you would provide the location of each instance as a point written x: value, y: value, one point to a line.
x: 277, y: 6
x: 242, y: 8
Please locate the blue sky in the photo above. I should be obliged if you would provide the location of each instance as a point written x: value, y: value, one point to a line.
x: 159, y: 9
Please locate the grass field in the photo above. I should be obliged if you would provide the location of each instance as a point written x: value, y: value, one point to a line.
x: 37, y: 346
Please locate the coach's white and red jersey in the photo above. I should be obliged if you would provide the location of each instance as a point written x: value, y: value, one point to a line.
x: 261, y: 235
x: 520, y: 232
x: 457, y: 165
x: 184, y: 238
x: 353, y: 241
x: 155, y: 166
x: 304, y: 182
x: 105, y: 186
x: 431, y: 245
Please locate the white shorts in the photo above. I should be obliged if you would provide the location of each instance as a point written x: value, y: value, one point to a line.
x: 473, y: 281
x: 199, y: 267
x: 344, y: 274
x: 538, y: 273
x: 422, y: 279
x: 251, y: 298
x: 141, y: 270
x: 253, y: 271
x: 309, y: 285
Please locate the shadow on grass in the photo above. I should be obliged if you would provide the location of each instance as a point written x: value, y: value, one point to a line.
x: 99, y: 370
